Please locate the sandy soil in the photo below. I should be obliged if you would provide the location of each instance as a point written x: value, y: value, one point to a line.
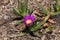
x: 8, y: 31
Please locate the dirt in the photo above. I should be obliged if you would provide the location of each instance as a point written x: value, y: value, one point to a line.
x: 8, y: 30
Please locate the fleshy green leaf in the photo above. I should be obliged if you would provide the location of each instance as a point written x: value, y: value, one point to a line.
x: 39, y: 26
x: 37, y: 34
x: 16, y: 11
x: 25, y: 5
x: 19, y: 22
x: 56, y: 6
x: 19, y: 5
x: 56, y: 2
x: 42, y: 9
x: 54, y: 13
x: 30, y: 11
x: 22, y: 34
x: 49, y: 29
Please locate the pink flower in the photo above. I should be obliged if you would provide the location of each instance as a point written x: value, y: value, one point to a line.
x: 28, y: 20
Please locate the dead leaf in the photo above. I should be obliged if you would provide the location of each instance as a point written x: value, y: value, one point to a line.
x: 51, y: 21
x: 46, y: 25
x: 21, y: 27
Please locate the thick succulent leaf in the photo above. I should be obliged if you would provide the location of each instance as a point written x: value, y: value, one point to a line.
x: 55, y: 13
x: 56, y: 6
x: 19, y: 22
x: 16, y: 11
x: 25, y: 5
x: 42, y: 8
x: 49, y: 29
x: 22, y: 34
x: 30, y: 11
x: 39, y: 26
x: 20, y: 6
x: 56, y: 2
x: 37, y: 34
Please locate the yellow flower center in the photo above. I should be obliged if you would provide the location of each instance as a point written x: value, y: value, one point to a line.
x: 28, y: 21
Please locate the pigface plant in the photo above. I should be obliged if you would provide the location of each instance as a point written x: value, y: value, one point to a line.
x: 29, y: 20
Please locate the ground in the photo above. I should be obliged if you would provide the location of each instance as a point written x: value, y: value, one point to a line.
x: 8, y: 30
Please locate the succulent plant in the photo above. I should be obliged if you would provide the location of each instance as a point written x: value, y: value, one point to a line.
x: 29, y: 20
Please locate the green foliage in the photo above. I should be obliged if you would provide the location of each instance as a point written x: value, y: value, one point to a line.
x: 19, y: 22
x: 22, y: 8
x: 46, y: 12
x: 42, y: 9
x: 49, y: 29
x: 56, y: 2
x: 30, y: 10
x: 40, y: 25
x: 54, y: 13
x: 16, y: 11
x: 22, y: 34
x: 56, y: 7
